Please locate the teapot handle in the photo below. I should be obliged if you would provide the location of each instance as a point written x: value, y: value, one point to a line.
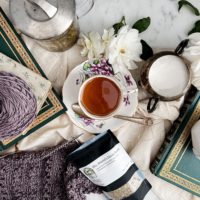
x: 48, y: 8
x: 180, y: 48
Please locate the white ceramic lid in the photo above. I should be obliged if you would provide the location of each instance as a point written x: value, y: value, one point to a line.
x: 42, y: 19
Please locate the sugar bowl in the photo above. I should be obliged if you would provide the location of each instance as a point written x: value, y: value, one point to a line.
x: 166, y: 76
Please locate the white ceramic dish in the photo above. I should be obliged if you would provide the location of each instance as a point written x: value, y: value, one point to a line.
x: 71, y: 90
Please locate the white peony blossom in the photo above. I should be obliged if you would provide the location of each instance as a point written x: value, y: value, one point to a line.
x: 195, y: 74
x: 107, y: 37
x: 92, y: 45
x: 192, y: 52
x: 125, y: 49
x: 121, y: 50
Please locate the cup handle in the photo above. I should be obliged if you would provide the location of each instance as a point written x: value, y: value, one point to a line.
x: 180, y: 48
x: 152, y: 104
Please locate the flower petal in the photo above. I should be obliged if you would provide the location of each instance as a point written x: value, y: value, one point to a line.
x: 127, y: 40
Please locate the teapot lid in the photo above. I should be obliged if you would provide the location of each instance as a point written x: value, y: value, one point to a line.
x: 42, y: 19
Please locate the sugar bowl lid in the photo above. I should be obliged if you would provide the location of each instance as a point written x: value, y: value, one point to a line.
x: 42, y: 19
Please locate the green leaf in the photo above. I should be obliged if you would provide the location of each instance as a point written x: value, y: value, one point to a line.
x: 182, y: 3
x: 142, y: 24
x: 86, y: 66
x: 118, y: 25
x: 196, y: 28
x: 147, y: 51
x: 96, y: 61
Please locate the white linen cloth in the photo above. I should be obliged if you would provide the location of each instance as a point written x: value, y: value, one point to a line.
x: 142, y: 143
x: 192, y: 53
x: 196, y: 139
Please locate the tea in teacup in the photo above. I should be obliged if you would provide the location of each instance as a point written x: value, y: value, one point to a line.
x: 100, y: 96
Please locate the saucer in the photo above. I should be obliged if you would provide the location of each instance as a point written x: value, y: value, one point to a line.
x: 71, y: 90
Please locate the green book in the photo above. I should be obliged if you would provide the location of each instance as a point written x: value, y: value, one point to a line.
x: 13, y: 46
x: 176, y: 162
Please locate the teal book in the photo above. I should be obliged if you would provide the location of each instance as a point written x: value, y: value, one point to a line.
x: 13, y: 46
x: 175, y: 161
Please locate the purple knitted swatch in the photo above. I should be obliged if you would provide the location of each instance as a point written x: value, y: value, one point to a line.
x: 43, y: 175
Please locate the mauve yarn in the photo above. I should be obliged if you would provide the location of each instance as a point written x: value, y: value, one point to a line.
x: 43, y: 175
x: 18, y: 105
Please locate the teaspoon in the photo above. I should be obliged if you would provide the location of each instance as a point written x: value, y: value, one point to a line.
x: 140, y: 120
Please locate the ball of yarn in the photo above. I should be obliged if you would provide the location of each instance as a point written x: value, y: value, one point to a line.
x: 18, y: 105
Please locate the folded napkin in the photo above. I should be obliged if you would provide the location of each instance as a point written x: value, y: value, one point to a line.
x: 196, y: 139
x: 142, y: 142
x: 192, y: 53
x: 39, y: 85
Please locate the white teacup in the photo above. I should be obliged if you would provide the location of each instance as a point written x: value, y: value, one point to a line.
x: 118, y: 86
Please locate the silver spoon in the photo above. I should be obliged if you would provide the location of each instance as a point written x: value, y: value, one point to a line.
x: 140, y: 120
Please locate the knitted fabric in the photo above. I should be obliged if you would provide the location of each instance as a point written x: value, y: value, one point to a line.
x: 43, y: 175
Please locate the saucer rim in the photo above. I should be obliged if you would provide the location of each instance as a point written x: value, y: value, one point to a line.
x: 86, y: 128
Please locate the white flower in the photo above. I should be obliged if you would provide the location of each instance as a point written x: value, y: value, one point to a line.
x: 195, y: 73
x: 124, y: 49
x: 92, y: 45
x: 107, y: 37
x: 192, y: 52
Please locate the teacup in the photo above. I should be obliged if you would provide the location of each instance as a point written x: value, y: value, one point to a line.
x: 101, y: 97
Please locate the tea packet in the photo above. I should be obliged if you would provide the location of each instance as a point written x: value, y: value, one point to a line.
x: 104, y: 161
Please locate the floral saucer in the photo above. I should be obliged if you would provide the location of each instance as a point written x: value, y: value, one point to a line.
x: 91, y: 68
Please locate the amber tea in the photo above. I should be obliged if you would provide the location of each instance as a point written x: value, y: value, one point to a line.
x: 101, y: 96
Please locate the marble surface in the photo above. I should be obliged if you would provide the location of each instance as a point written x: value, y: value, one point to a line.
x: 168, y: 26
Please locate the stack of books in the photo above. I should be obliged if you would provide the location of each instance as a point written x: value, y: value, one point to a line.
x: 12, y: 46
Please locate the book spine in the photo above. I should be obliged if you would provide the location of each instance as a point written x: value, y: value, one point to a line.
x: 169, y: 140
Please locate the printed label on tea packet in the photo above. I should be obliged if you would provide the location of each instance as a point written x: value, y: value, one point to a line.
x: 109, y: 167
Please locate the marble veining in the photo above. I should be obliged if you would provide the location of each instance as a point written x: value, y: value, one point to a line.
x: 168, y: 26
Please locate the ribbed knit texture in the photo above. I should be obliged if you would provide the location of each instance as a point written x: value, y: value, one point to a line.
x: 43, y: 175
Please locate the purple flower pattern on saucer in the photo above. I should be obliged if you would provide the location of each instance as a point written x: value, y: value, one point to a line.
x: 126, y: 100
x: 128, y: 80
x: 85, y: 120
x: 98, y: 67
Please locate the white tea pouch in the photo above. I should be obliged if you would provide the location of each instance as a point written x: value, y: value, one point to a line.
x: 104, y: 161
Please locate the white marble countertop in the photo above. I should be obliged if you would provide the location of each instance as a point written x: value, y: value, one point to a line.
x: 168, y: 26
